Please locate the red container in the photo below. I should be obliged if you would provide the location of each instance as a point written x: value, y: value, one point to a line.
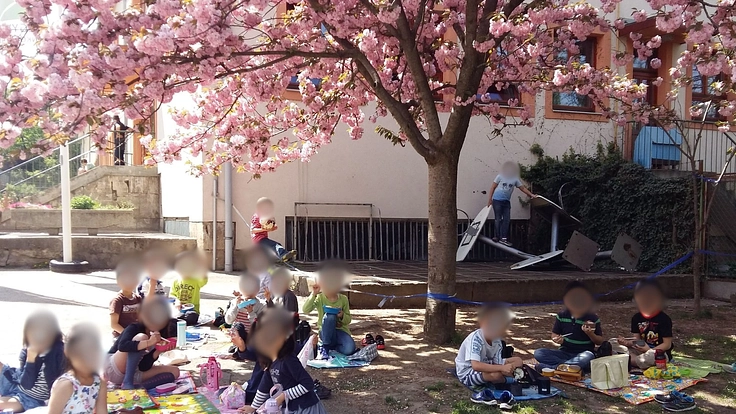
x: 660, y: 359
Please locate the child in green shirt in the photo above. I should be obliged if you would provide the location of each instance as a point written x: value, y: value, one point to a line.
x: 192, y: 277
x: 333, y: 327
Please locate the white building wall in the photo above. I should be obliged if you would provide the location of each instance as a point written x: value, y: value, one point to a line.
x: 392, y: 178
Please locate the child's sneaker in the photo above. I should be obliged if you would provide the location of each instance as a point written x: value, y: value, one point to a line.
x: 324, y: 354
x: 506, y: 242
x: 683, y: 403
x: 484, y: 397
x: 291, y: 255
x: 506, y: 401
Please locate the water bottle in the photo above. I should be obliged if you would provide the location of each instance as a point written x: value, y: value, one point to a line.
x: 271, y: 406
x: 181, y: 334
x: 212, y: 373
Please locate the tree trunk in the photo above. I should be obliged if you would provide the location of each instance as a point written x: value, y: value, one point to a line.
x: 439, y: 320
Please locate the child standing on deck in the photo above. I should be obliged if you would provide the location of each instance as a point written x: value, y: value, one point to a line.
x: 333, y: 310
x: 124, y: 306
x: 41, y: 363
x: 577, y: 330
x: 501, y: 189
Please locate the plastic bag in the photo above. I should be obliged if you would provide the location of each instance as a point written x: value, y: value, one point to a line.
x: 233, y: 397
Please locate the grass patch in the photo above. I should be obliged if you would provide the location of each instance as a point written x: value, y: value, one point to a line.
x: 358, y: 384
x: 718, y: 348
x: 395, y: 404
x: 468, y: 407
x: 436, y: 387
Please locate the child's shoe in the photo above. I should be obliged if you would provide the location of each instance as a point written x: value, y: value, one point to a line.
x: 506, y: 401
x: 506, y: 242
x: 324, y: 354
x: 380, y: 342
x: 484, y: 397
x: 368, y: 340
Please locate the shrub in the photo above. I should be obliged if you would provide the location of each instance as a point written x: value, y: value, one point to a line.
x: 84, y: 202
x: 610, y: 195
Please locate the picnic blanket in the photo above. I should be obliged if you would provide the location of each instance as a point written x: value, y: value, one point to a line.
x: 640, y: 390
x: 700, y: 368
x: 359, y: 359
x: 527, y: 394
x: 185, y: 379
x: 184, y: 404
x: 213, y: 397
x: 118, y: 400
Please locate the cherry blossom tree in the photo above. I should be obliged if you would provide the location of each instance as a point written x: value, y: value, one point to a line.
x: 426, y: 64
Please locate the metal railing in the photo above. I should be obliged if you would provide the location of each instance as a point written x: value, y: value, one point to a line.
x: 657, y: 149
x: 361, y: 239
x: 40, y: 173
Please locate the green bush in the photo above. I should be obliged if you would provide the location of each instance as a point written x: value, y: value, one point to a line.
x: 611, y: 195
x: 84, y: 202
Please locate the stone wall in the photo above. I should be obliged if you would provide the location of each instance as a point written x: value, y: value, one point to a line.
x: 42, y: 220
x: 102, y: 252
x: 140, y: 186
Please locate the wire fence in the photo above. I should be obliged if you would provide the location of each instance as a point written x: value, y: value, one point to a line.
x: 721, y: 228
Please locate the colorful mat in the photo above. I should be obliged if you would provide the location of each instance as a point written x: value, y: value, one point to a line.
x: 640, y: 390
x: 127, y: 400
x: 215, y: 400
x: 337, y: 360
x: 184, y: 404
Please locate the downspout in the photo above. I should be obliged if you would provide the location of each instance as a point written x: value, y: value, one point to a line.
x: 214, y: 223
x: 228, y: 174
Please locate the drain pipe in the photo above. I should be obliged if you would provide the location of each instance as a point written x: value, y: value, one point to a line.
x: 228, y: 216
x: 214, y: 224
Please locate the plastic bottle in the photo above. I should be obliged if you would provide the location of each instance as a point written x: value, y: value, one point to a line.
x: 660, y: 359
x: 181, y: 334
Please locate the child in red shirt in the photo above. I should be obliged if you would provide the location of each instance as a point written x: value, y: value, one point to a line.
x: 263, y: 222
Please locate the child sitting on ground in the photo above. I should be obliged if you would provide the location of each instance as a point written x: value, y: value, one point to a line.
x: 41, y: 363
x: 480, y: 361
x: 650, y: 325
x: 263, y: 222
x: 192, y: 276
x: 156, y: 265
x: 130, y: 361
x: 124, y: 306
x: 274, y: 343
x: 80, y: 390
x: 248, y: 289
x: 577, y: 330
x: 333, y: 327
x: 278, y: 293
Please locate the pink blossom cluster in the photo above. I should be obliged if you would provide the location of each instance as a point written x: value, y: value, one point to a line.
x: 78, y: 64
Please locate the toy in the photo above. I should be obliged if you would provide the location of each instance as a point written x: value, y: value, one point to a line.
x: 246, y: 303
x: 164, y: 388
x: 211, y: 373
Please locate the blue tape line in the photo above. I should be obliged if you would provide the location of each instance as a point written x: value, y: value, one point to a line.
x: 453, y: 299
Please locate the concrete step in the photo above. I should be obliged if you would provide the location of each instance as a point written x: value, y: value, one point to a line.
x: 103, y: 251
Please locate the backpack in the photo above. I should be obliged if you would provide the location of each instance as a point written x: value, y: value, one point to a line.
x: 302, y: 332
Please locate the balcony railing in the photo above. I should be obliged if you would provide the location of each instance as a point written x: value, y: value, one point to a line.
x: 656, y: 148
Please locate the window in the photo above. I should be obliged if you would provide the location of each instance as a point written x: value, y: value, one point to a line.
x: 645, y: 74
x: 571, y: 101
x: 501, y: 97
x: 704, y: 92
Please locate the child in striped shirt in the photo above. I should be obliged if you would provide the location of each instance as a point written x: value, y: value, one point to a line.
x: 248, y: 287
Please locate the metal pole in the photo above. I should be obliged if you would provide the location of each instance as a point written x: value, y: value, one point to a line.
x: 555, y: 228
x: 228, y: 174
x: 66, y: 207
x: 214, y: 223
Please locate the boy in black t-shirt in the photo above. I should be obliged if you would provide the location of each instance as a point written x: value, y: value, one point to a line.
x: 577, y: 330
x: 650, y: 325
